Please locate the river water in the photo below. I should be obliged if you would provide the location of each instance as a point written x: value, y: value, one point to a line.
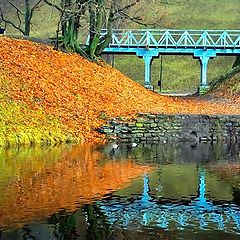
x: 90, y: 191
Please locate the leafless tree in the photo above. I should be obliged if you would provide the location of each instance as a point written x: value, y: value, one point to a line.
x: 23, y: 14
x: 100, y: 14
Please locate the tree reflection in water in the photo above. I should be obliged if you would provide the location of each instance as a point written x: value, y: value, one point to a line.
x: 79, y: 176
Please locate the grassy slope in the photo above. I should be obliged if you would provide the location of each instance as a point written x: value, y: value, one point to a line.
x: 21, y: 125
x: 227, y: 86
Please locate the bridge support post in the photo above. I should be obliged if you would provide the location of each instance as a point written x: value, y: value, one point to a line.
x: 148, y: 67
x: 147, y: 55
x: 204, y: 56
x: 204, y: 87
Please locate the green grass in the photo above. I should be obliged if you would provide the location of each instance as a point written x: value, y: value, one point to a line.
x: 20, y: 125
x: 180, y: 73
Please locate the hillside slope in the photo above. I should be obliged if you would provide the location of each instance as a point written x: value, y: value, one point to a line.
x: 180, y: 73
x: 228, y: 85
x: 76, y: 95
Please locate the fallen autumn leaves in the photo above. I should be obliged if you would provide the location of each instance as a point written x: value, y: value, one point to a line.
x: 77, y: 92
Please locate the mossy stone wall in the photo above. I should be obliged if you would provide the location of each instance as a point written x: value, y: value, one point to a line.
x: 161, y: 128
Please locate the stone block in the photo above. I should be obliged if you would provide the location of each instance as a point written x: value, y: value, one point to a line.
x: 108, y: 130
x: 139, y: 124
x: 124, y: 136
x: 114, y: 123
x: 147, y: 135
x: 140, y: 120
x: 161, y: 134
x: 131, y: 124
x: 151, y: 116
x: 153, y: 125
x: 138, y: 131
x: 152, y: 130
x: 149, y: 121
x: 118, y: 128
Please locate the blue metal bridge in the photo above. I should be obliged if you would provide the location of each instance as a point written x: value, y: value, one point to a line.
x: 151, y: 43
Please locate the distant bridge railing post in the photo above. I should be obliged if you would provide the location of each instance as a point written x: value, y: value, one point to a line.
x: 148, y: 72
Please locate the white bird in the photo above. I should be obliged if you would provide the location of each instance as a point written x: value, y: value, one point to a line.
x: 114, y: 145
x: 134, y: 145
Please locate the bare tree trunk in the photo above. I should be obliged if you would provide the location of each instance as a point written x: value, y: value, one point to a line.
x: 70, y: 23
x: 98, y: 12
x: 28, y: 18
x: 108, y: 36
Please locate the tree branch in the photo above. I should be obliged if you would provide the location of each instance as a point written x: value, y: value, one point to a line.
x: 36, y: 6
x: 127, y: 6
x: 9, y: 22
x: 137, y: 20
x: 16, y: 7
x: 172, y: 3
x: 62, y: 9
x: 55, y: 6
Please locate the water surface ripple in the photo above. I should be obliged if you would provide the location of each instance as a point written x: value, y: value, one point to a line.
x: 90, y: 191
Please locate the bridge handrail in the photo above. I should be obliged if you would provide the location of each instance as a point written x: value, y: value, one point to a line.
x: 174, y: 38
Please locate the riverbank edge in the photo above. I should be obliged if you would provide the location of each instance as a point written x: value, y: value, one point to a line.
x: 148, y: 127
x: 27, y: 139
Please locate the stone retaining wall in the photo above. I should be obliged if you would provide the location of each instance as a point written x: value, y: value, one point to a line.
x: 163, y: 128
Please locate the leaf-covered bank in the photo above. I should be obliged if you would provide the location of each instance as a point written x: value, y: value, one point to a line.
x: 48, y: 93
x: 20, y: 125
x: 227, y: 85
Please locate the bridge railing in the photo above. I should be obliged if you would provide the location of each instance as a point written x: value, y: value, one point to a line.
x: 174, y: 38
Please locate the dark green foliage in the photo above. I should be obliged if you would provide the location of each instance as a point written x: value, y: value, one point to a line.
x: 237, y: 62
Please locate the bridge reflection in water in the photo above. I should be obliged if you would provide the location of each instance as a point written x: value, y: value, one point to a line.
x: 198, y: 214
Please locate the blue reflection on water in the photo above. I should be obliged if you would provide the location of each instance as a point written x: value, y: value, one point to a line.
x: 199, y: 214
